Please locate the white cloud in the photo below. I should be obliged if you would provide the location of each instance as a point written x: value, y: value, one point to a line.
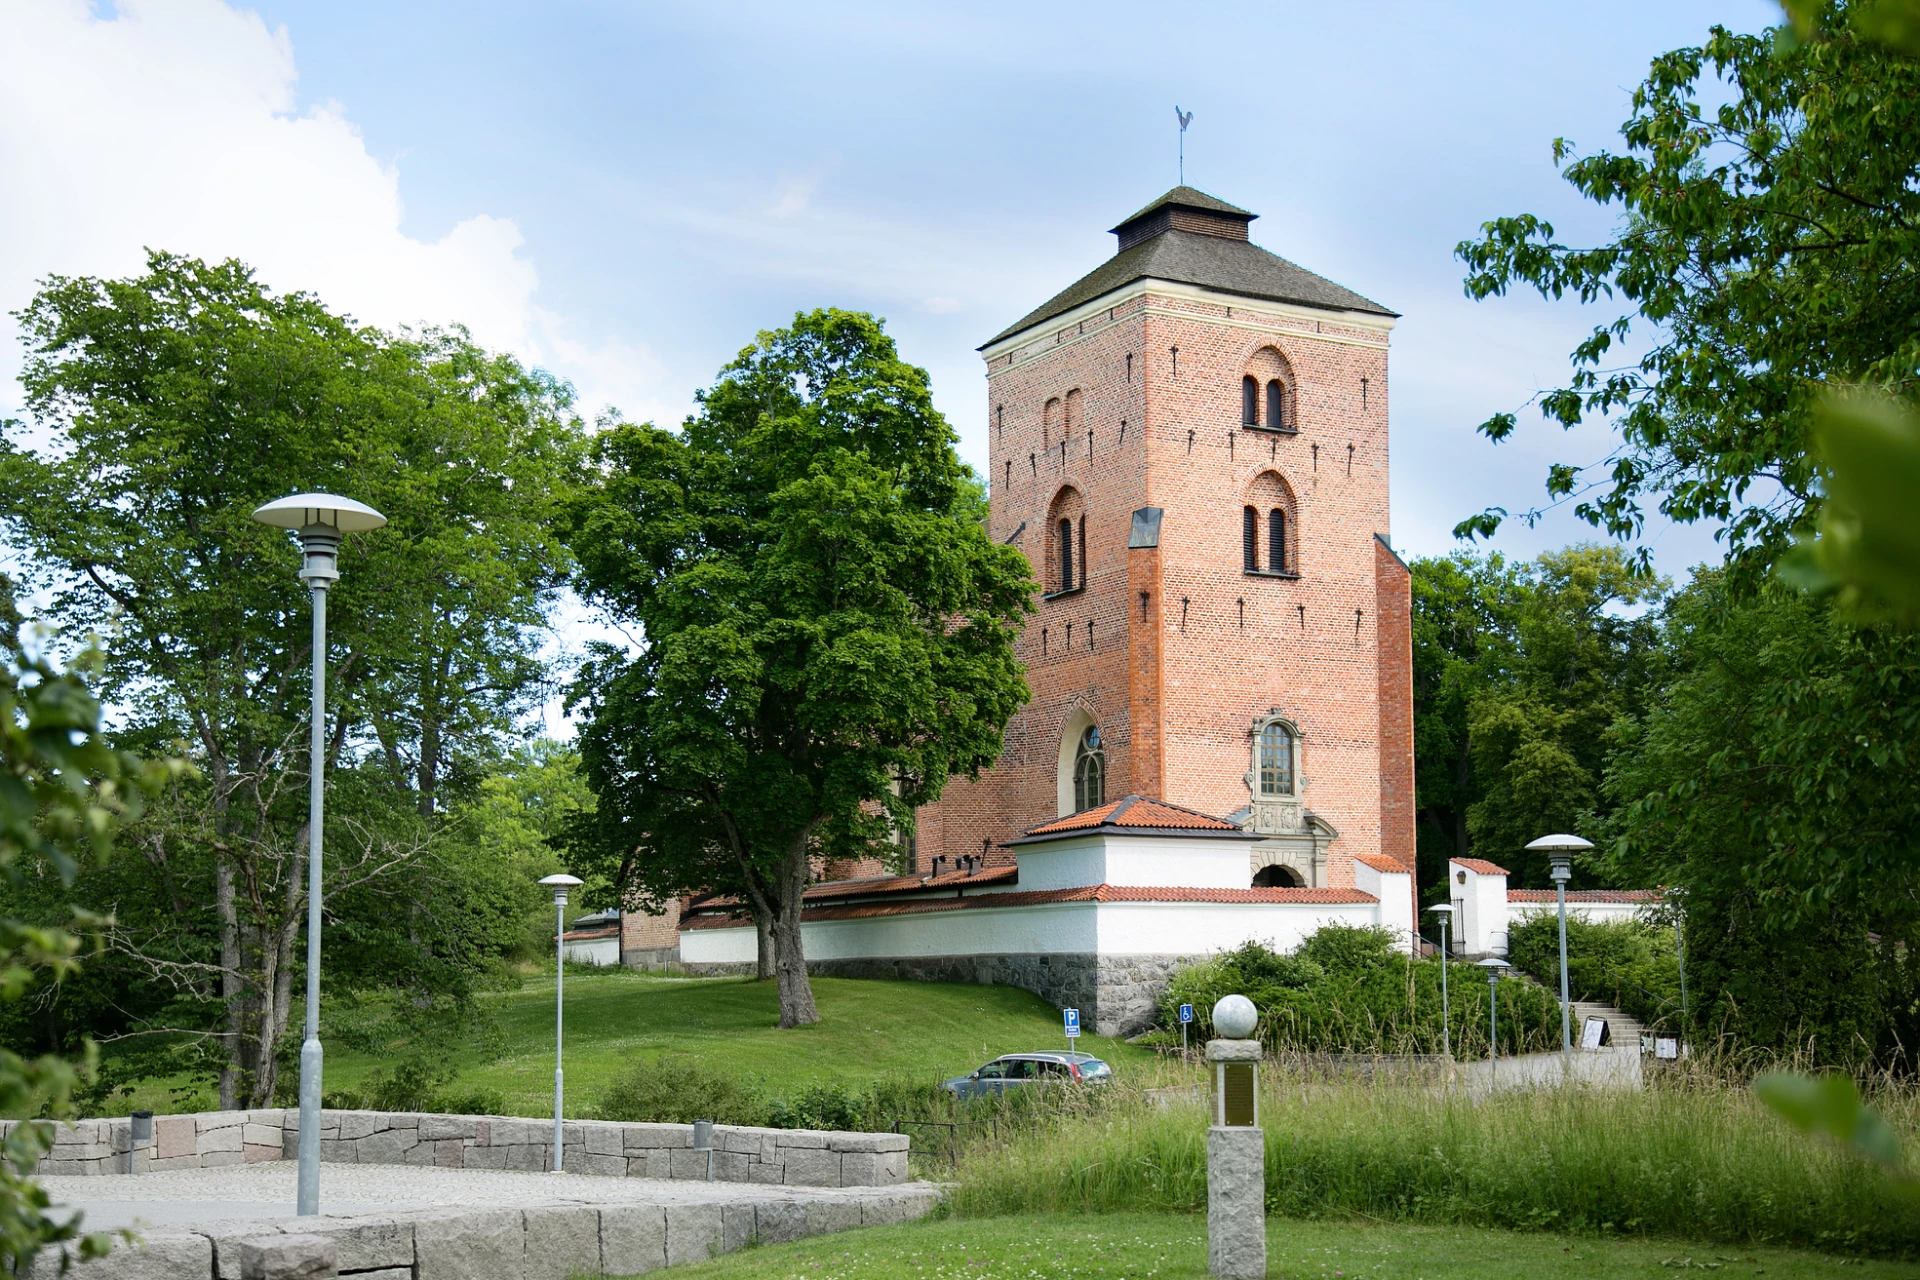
x: 172, y: 124
x: 793, y: 194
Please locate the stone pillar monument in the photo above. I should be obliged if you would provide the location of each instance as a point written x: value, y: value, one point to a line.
x: 1236, y: 1147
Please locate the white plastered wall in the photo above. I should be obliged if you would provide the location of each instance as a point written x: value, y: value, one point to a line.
x: 1152, y: 862
x: 593, y: 950
x: 1480, y: 910
x: 1596, y: 912
x: 1395, y: 891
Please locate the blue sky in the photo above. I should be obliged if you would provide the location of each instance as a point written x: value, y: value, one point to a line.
x: 626, y: 193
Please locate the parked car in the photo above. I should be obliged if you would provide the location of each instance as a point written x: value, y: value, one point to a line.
x: 1013, y: 1070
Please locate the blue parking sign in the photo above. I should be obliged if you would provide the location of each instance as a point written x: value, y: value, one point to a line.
x: 1073, y: 1022
x: 1186, y: 1013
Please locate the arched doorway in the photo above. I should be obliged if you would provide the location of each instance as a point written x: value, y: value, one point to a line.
x: 1277, y: 877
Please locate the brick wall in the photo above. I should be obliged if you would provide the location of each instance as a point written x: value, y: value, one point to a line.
x: 1175, y: 651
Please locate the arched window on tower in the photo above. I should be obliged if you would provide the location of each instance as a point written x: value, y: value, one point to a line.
x: 1066, y: 556
x: 1277, y: 540
x: 1249, y: 401
x: 1276, y: 405
x: 1250, y: 539
x: 1089, y: 771
x: 1272, y: 552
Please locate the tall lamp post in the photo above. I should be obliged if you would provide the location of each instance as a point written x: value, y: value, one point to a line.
x: 1493, y: 965
x: 559, y: 884
x: 1446, y: 1032
x: 321, y: 519
x: 1560, y: 850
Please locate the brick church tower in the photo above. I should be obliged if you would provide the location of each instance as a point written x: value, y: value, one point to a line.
x: 1190, y: 445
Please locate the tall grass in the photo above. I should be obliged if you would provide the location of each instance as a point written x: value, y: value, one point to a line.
x: 1703, y: 1163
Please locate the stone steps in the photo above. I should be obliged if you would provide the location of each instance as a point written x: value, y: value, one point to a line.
x: 1624, y: 1031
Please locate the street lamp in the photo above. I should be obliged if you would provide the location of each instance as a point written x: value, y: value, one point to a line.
x: 1445, y: 913
x: 1560, y: 851
x: 1493, y: 965
x: 321, y: 519
x: 559, y: 884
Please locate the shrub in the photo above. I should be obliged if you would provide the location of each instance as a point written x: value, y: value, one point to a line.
x: 1629, y: 964
x: 677, y: 1089
x: 1346, y: 990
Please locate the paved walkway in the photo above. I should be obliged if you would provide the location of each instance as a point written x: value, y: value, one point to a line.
x: 260, y: 1192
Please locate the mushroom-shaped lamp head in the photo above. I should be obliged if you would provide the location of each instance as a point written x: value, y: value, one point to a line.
x: 1441, y: 909
x: 1234, y: 1018
x: 560, y: 883
x: 320, y: 519
x: 1560, y: 850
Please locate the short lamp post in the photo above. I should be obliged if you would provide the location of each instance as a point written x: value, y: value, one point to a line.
x: 1493, y: 965
x: 559, y: 884
x: 1446, y: 1027
x: 1560, y: 850
x: 321, y: 520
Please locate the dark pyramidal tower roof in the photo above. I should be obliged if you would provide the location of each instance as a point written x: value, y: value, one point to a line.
x: 1190, y: 237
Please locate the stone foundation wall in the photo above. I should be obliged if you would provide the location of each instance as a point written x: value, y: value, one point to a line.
x: 651, y: 957
x: 548, y: 1242
x: 777, y: 1157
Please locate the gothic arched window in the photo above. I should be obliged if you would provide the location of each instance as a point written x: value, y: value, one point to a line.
x: 1276, y: 405
x: 1250, y: 539
x: 1089, y: 772
x: 1249, y: 401
x: 1277, y: 540
x: 1276, y: 759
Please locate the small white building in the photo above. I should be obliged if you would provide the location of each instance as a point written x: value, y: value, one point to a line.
x: 1484, y: 908
x: 1096, y: 913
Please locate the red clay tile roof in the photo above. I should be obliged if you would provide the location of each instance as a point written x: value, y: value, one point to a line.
x: 1480, y: 865
x: 1049, y: 897
x: 588, y: 935
x: 1380, y: 862
x: 876, y: 884
x: 1135, y: 812
x: 1586, y: 895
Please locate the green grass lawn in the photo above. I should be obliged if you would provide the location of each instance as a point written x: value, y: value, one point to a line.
x: 868, y: 1031
x: 1173, y: 1248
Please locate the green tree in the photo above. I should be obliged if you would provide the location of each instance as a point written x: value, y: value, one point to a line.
x: 1519, y: 671
x: 828, y: 630
x: 1769, y: 243
x: 1772, y: 783
x: 63, y: 793
x: 176, y: 402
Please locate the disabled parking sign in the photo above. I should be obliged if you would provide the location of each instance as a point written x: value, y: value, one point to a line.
x: 1186, y: 1013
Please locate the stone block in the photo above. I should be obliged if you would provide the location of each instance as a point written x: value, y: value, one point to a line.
x: 873, y: 1169
x: 366, y: 1241
x: 255, y: 1155
x: 224, y: 1240
x: 274, y: 1117
x: 390, y: 1147
x: 207, y: 1120
x: 778, y: 1221
x: 483, y: 1157
x: 744, y: 1141
x: 358, y: 1124
x: 448, y: 1153
x: 687, y: 1164
x: 261, y: 1135
x: 633, y: 1239
x: 225, y: 1139
x: 159, y: 1255
x: 289, y: 1257
x: 403, y: 1120
x: 1236, y: 1203
x: 438, y: 1128
x: 772, y: 1175
x: 693, y: 1233
x: 562, y: 1241
x: 825, y: 1216
x: 812, y: 1168
x: 1234, y: 1051
x: 336, y: 1151
x: 636, y: 1166
x: 216, y: 1159
x: 478, y: 1244
x: 645, y: 1137
x: 604, y: 1140
x: 425, y: 1154
x: 600, y: 1166
x: 516, y: 1133
x: 886, y: 1211
x: 737, y: 1227
x: 172, y: 1136
x: 527, y: 1156
x: 802, y: 1139
x: 867, y: 1142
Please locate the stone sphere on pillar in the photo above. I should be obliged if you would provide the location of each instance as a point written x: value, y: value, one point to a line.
x: 1234, y: 1018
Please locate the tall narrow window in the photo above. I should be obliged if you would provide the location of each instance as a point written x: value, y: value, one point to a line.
x: 1276, y: 760
x: 1250, y: 539
x: 1249, y: 402
x: 1276, y: 405
x: 1277, y: 541
x: 1066, y: 555
x: 1089, y: 772
x: 1083, y: 551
